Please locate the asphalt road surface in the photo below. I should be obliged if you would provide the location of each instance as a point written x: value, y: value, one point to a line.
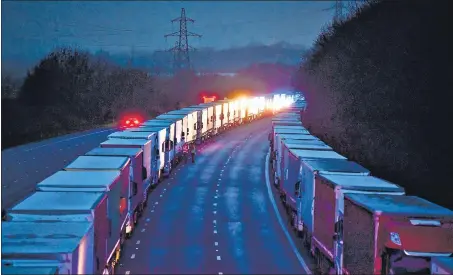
x: 26, y: 165
x: 215, y: 216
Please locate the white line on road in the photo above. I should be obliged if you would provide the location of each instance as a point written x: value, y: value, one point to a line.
x: 152, y: 211
x: 128, y: 272
x: 218, y: 258
x: 215, y: 204
x: 220, y: 273
x: 216, y: 243
x: 214, y: 221
x: 157, y: 202
x: 143, y: 230
x: 215, y: 212
x: 138, y: 242
x: 271, y: 197
x: 133, y: 256
x: 215, y: 231
x: 44, y: 145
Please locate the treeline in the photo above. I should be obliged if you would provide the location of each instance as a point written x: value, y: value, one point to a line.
x: 68, y: 91
x: 71, y: 90
x: 378, y: 92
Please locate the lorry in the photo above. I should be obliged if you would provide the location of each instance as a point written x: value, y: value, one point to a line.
x: 145, y: 146
x: 171, y: 134
x: 442, y: 265
x: 282, y: 155
x: 279, y: 138
x: 211, y: 117
x: 329, y: 210
x: 180, y: 129
x: 69, y: 243
x: 157, y: 156
x: 286, y: 130
x: 118, y: 193
x: 201, y: 127
x: 194, y: 119
x: 387, y: 234
x: 300, y: 175
x: 225, y: 116
x: 166, y: 148
x: 73, y: 205
x: 137, y: 175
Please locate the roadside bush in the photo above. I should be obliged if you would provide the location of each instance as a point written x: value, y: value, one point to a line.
x: 377, y: 87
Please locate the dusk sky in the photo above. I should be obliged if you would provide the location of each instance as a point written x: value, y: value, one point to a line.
x: 32, y: 29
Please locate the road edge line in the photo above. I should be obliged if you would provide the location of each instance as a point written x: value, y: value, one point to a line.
x: 280, y: 221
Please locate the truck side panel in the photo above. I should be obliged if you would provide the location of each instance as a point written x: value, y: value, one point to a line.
x: 101, y: 235
x: 358, y: 237
x: 324, y: 214
x: 83, y: 259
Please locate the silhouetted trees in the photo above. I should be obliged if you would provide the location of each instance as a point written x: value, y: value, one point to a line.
x: 378, y: 91
x: 70, y: 90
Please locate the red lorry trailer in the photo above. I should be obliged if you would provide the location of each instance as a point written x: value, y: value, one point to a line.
x: 387, y: 234
x: 329, y: 210
x: 73, y: 206
x: 117, y: 195
x: 137, y: 175
x: 442, y: 265
x: 145, y: 145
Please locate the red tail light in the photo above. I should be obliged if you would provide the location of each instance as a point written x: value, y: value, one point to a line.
x: 136, y: 121
x: 127, y: 122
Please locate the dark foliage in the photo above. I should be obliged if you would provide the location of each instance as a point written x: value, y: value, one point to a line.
x: 69, y: 91
x: 378, y: 91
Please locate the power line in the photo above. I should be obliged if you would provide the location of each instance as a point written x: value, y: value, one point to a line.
x: 181, y: 58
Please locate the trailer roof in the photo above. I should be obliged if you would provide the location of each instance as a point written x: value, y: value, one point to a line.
x: 42, y: 237
x: 399, y: 205
x: 184, y: 111
x: 309, y: 145
x: 170, y: 116
x: 63, y: 216
x: 31, y: 270
x: 310, y: 154
x: 120, y: 141
x: 299, y: 131
x: 286, y: 122
x: 59, y: 201
x: 365, y: 183
x: 335, y: 165
x: 98, y: 163
x: 443, y: 262
x: 147, y: 129
x: 125, y: 152
x: 290, y: 141
x: 290, y: 127
x: 298, y: 136
x: 100, y: 179
x: 196, y: 107
x: 132, y: 135
x: 157, y: 122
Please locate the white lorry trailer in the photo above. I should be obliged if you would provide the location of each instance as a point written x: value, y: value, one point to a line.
x: 69, y: 243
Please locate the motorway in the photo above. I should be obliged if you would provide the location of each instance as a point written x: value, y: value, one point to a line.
x: 26, y: 165
x: 215, y: 216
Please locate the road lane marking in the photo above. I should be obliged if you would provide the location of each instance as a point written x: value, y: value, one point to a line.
x: 128, y: 272
x: 215, y: 197
x: 215, y: 231
x: 279, y: 218
x: 143, y: 230
x: 215, y: 212
x: 215, y: 204
x: 218, y: 258
x: 133, y: 256
x: 214, y: 221
x: 161, y: 196
x: 136, y: 248
x: 138, y: 242
x: 157, y: 202
x: 152, y: 211
x: 220, y: 273
x: 216, y: 243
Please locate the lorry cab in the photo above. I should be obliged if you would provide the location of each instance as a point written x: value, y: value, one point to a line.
x: 192, y: 123
x: 170, y: 130
x: 180, y: 121
x: 201, y: 126
x: 157, y: 157
x: 397, y: 234
x: 165, y: 145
